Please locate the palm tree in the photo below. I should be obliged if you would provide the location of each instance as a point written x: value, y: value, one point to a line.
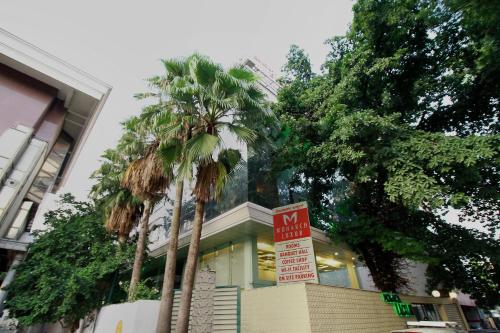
x: 146, y: 179
x: 225, y: 102
x: 172, y: 119
x: 130, y: 176
x: 121, y: 208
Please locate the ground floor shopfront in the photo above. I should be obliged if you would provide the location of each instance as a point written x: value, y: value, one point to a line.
x: 238, y: 246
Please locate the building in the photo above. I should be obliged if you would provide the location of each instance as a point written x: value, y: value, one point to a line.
x: 47, y: 109
x: 268, y: 81
x: 237, y: 244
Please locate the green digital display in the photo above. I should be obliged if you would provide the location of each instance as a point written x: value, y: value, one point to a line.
x: 400, y: 308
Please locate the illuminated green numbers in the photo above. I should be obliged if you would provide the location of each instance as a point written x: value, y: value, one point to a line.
x: 391, y: 298
x: 400, y: 308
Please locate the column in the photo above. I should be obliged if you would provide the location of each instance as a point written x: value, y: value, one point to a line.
x: 250, y: 262
x: 353, y: 276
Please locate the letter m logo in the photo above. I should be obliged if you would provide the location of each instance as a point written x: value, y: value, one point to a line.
x: 290, y: 218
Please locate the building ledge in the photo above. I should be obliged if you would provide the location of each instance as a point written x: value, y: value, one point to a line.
x: 26, y: 57
x: 14, y: 245
x: 247, y: 219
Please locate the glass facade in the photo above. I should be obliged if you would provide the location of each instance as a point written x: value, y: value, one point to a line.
x: 235, y: 194
x: 333, y: 268
x: 266, y: 261
x: 262, y: 183
x: 253, y: 181
x: 51, y: 169
x: 227, y: 262
x: 333, y: 271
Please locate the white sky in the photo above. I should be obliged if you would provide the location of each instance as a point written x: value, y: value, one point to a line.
x: 121, y: 42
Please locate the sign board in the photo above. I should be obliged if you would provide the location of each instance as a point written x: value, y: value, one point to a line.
x: 295, y: 260
x: 400, y: 308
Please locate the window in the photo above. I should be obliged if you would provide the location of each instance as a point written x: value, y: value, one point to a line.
x: 52, y: 168
x: 227, y: 262
x: 266, y: 261
x: 334, y: 268
x: 425, y: 312
x: 332, y: 271
x: 237, y: 265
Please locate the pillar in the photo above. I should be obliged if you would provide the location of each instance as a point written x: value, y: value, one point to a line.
x: 250, y: 262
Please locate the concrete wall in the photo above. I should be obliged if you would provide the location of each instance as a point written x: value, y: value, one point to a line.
x: 134, y: 317
x: 275, y: 309
x: 23, y: 100
x: 318, y: 308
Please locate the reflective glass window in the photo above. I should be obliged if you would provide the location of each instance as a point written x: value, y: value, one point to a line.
x: 266, y: 260
x: 228, y: 264
x: 51, y: 169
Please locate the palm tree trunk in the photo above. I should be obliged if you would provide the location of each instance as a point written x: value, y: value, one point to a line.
x: 139, y: 250
x: 167, y: 295
x: 190, y: 270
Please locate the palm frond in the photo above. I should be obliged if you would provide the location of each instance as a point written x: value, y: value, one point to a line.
x: 202, y: 70
x: 175, y: 67
x: 227, y: 162
x: 170, y: 152
x: 201, y: 147
x: 242, y: 133
x: 229, y: 158
x: 243, y: 74
x: 144, y: 95
x: 222, y: 186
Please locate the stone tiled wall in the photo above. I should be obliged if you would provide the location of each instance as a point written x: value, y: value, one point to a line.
x: 202, y: 302
x: 314, y: 308
x: 343, y: 310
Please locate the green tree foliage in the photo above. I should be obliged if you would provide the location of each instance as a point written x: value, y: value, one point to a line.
x: 68, y: 269
x: 145, y: 289
x: 404, y: 118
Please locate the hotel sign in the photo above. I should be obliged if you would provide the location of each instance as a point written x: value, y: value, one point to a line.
x: 295, y: 261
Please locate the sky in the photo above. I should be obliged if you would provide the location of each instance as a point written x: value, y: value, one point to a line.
x: 122, y: 42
